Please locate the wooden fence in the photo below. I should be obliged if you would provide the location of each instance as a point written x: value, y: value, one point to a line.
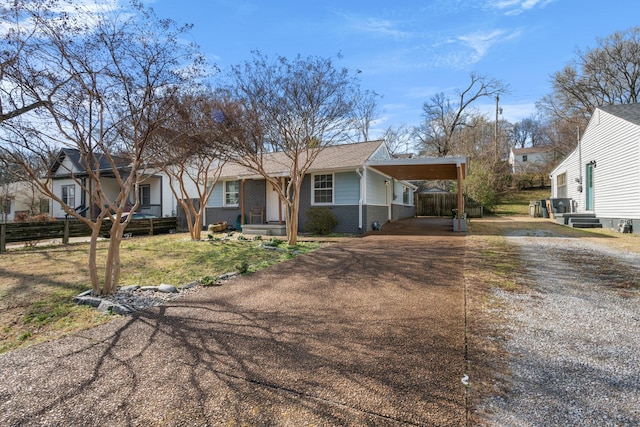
x: 35, y: 231
x: 443, y: 204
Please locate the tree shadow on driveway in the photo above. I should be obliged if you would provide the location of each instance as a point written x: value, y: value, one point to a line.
x: 370, y: 332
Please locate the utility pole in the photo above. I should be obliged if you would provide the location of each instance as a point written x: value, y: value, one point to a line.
x: 496, y: 129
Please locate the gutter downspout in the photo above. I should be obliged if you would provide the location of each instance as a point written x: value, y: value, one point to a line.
x: 360, y: 200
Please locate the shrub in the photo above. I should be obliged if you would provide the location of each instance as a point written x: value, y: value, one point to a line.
x: 208, y: 281
x: 243, y: 267
x: 320, y: 221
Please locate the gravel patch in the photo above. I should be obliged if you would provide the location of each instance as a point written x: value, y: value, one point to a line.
x: 573, y: 337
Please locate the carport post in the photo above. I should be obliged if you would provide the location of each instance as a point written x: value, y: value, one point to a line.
x: 460, y: 198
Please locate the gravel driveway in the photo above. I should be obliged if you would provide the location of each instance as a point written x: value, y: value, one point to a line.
x: 366, y: 332
x: 573, y: 337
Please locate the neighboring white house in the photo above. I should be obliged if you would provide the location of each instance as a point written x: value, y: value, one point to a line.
x: 530, y: 159
x: 68, y: 171
x: 21, y: 197
x: 602, y: 175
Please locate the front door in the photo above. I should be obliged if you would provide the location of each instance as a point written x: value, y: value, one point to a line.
x: 275, y: 209
x: 589, y: 187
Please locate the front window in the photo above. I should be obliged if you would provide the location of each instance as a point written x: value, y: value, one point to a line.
x: 231, y: 193
x: 323, y: 189
x: 145, y: 195
x: 69, y: 195
x: 561, y: 185
x: 524, y: 158
x: 405, y: 195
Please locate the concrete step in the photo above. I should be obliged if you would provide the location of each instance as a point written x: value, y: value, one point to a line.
x: 583, y: 219
x: 586, y: 225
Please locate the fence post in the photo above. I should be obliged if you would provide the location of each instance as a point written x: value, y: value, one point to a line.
x: 3, y: 237
x: 65, y: 236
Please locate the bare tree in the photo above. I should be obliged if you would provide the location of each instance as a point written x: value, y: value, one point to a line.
x: 118, y: 69
x: 526, y: 133
x: 398, y: 139
x: 296, y: 107
x: 365, y: 112
x: 188, y: 151
x: 605, y: 75
x: 443, y: 119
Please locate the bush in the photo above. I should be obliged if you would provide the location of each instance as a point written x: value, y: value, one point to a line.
x: 320, y: 221
x: 27, y: 217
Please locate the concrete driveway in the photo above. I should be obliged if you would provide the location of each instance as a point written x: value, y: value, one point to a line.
x: 364, y: 332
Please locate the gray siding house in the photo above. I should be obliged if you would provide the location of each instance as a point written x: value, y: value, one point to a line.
x: 340, y: 179
x: 602, y: 175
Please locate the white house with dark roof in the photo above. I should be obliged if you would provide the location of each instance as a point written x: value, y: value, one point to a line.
x: 530, y: 159
x: 71, y: 181
x: 361, y: 183
x: 602, y: 175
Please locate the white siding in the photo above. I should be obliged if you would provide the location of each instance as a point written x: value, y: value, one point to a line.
x: 614, y: 144
x: 376, y: 190
x: 66, y: 167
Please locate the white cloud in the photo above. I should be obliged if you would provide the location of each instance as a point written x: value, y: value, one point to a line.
x: 481, y: 42
x: 379, y: 27
x: 516, y: 7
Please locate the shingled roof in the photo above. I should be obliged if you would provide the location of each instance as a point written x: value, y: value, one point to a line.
x: 628, y: 112
x: 334, y: 157
x: 79, y: 163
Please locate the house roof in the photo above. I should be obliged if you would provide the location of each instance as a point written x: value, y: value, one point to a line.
x: 531, y: 150
x: 334, y: 157
x: 76, y: 159
x: 628, y: 112
x: 353, y: 156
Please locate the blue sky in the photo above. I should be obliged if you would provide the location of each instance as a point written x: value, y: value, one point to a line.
x: 410, y: 50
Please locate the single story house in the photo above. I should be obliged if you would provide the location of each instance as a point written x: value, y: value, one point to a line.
x: 602, y: 175
x: 70, y: 181
x: 361, y: 183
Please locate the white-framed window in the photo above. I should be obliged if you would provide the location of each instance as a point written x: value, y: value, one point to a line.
x: 69, y: 195
x: 322, y: 189
x: 145, y: 195
x: 231, y: 193
x: 561, y: 185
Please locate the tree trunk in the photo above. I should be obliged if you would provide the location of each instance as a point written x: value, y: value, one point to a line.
x: 112, y: 267
x: 197, y: 226
x: 93, y: 265
x: 292, y: 218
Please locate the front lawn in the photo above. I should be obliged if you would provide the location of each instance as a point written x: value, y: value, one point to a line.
x: 38, y: 283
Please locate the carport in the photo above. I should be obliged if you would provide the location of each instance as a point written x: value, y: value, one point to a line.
x: 425, y: 169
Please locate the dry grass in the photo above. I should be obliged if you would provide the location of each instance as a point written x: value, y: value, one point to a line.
x: 38, y: 283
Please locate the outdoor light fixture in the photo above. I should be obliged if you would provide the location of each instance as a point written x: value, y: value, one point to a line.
x: 592, y: 163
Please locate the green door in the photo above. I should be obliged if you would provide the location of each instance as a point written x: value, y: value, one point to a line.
x: 589, y: 187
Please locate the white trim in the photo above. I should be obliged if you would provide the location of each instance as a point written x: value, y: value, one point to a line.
x: 224, y: 194
x: 313, y: 189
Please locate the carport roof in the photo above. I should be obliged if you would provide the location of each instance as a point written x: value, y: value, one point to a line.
x: 417, y: 169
